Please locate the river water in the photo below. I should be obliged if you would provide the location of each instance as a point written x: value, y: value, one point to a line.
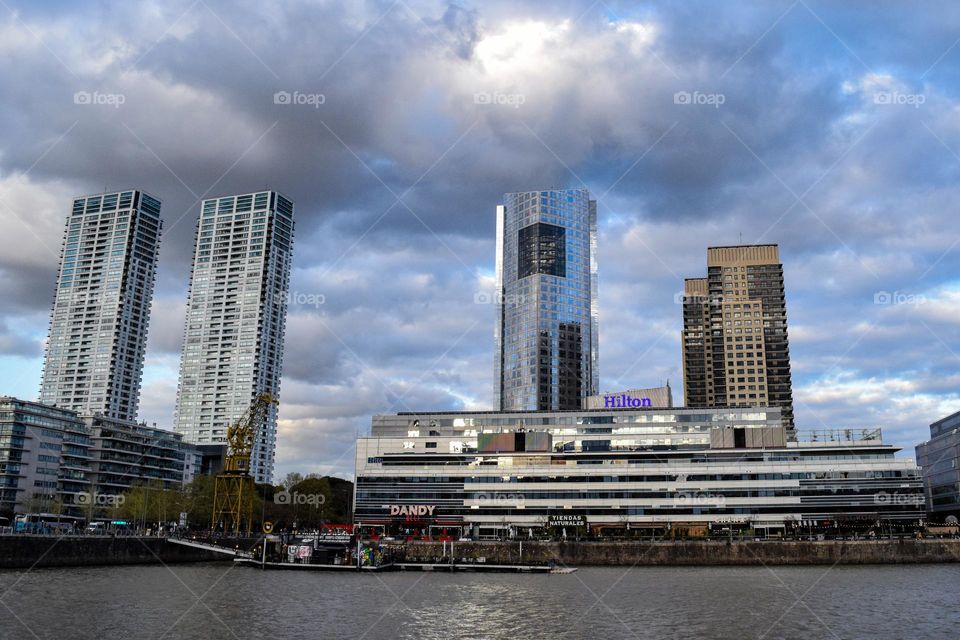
x: 222, y: 601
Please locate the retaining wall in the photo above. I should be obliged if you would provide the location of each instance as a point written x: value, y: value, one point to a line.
x: 701, y: 553
x: 25, y: 551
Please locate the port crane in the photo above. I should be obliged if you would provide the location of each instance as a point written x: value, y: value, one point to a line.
x: 234, y: 487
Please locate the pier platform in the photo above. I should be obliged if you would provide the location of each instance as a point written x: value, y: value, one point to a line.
x: 406, y: 566
x: 294, y: 566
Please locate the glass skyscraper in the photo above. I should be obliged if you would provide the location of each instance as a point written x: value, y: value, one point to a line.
x: 236, y: 316
x: 546, y: 335
x: 98, y: 329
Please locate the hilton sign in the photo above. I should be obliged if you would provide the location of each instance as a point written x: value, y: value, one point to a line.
x: 623, y: 401
x: 412, y: 510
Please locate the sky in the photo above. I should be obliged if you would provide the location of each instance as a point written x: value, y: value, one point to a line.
x: 397, y: 126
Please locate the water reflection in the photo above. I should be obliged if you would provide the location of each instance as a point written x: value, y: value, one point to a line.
x: 219, y: 601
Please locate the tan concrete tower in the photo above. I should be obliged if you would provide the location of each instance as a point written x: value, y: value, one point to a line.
x: 735, y: 347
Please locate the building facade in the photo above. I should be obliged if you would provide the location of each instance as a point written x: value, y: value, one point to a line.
x: 236, y: 315
x: 44, y: 458
x: 736, y: 350
x: 939, y: 458
x: 101, y: 311
x: 546, y: 281
x: 490, y: 474
x: 124, y: 454
x: 54, y: 461
x: 192, y: 461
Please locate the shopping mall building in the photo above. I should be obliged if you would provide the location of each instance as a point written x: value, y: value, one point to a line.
x: 616, y: 471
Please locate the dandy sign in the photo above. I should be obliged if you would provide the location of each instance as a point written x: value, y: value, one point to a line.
x: 412, y: 510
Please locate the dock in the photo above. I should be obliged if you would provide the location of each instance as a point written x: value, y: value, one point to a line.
x: 296, y: 566
x: 196, y: 544
x: 477, y: 567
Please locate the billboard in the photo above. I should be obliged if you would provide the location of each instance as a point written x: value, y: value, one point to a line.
x: 514, y: 441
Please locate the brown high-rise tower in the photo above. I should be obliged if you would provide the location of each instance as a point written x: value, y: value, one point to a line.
x: 735, y: 347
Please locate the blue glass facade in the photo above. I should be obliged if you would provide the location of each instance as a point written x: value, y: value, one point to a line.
x: 546, y: 334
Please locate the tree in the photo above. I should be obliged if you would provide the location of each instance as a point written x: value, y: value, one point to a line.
x: 308, y: 503
x: 150, y: 503
x: 292, y: 479
x: 44, y: 503
x: 198, y: 501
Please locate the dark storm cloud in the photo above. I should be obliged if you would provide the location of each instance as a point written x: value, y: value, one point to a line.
x: 431, y: 110
x: 14, y: 343
x: 26, y: 289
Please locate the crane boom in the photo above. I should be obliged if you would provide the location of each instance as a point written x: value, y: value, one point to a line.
x: 234, y: 488
x: 242, y: 435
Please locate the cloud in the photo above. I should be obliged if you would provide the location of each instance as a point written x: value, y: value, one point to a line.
x: 16, y: 343
x: 430, y: 112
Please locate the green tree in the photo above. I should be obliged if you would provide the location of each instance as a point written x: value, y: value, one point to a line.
x: 149, y: 504
x: 198, y: 502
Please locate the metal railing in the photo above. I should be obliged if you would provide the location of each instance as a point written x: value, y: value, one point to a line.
x: 839, y: 435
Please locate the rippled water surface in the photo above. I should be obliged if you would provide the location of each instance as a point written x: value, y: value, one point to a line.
x: 220, y: 601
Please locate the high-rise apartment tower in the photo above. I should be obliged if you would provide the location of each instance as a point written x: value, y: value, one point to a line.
x: 735, y: 347
x: 98, y: 328
x: 236, y: 315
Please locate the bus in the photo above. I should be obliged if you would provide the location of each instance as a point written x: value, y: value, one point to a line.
x: 47, y: 523
x: 109, y: 527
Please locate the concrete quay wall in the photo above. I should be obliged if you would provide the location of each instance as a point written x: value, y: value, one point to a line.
x: 27, y: 551
x: 691, y: 553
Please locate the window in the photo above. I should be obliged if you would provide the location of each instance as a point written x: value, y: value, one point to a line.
x: 542, y: 249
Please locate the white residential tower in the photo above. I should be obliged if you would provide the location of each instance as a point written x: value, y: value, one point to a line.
x: 236, y: 312
x: 98, y: 328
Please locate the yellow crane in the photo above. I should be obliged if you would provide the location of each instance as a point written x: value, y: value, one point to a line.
x: 234, y: 488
